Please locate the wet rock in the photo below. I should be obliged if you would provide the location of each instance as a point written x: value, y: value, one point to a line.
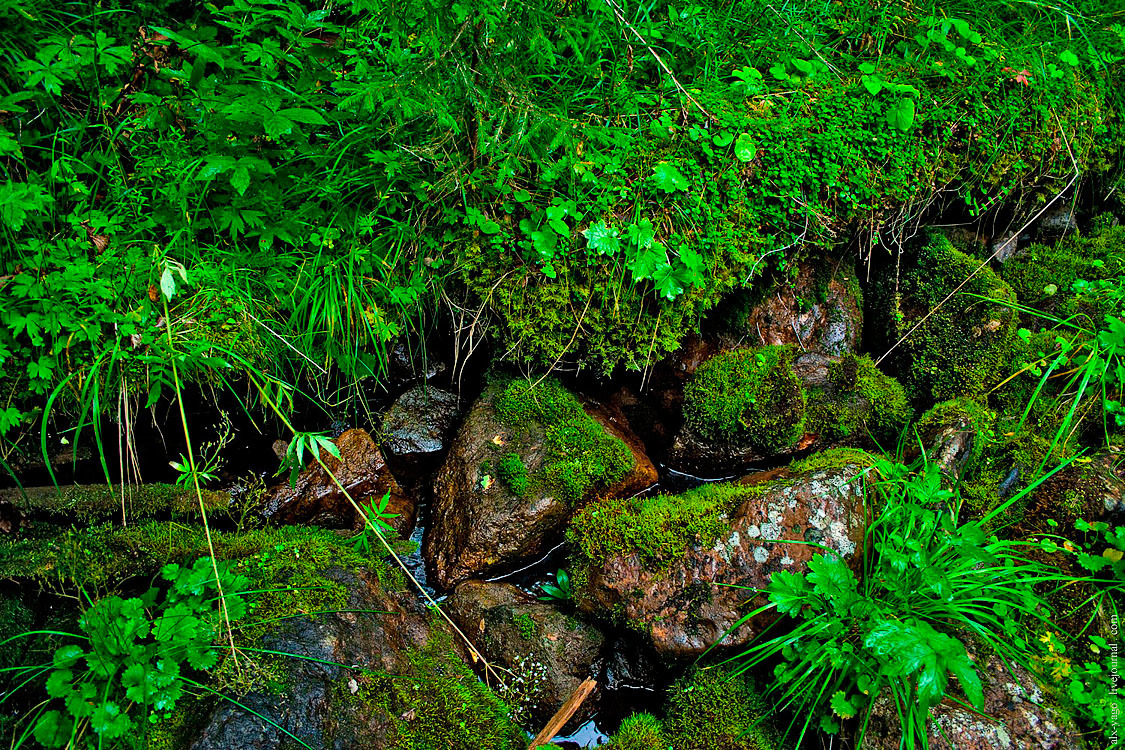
x: 408, y: 365
x: 680, y: 568
x: 331, y: 706
x: 416, y: 431
x: 548, y: 653
x: 1055, y: 224
x: 317, y: 500
x: 821, y: 311
x: 953, y: 434
x: 1015, y: 716
x: 522, y: 461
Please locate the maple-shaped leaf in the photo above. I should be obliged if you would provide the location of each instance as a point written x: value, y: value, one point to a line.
x: 669, y: 283
x: 602, y: 239
x: 668, y: 178
x: 641, y: 234
x: 841, y: 706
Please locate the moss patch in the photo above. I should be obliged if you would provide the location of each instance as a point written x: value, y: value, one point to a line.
x: 747, y: 395
x: 641, y: 731
x: 967, y: 411
x: 833, y: 458
x: 89, y: 503
x: 659, y: 528
x: 513, y: 474
x: 579, y: 456
x: 859, y: 400
x: 714, y: 708
x: 964, y: 345
x: 437, y: 702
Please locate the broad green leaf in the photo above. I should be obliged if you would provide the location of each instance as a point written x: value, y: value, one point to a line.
x: 900, y: 114
x: 54, y: 730
x: 788, y: 591
x: 306, y: 116
x: 872, y: 84
x: 602, y: 239
x: 745, y: 148
x: 240, y: 179
x: 668, y: 178
x: 167, y: 285
x: 668, y: 282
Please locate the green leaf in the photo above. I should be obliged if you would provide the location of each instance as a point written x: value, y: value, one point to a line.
x: 841, y: 706
x: 668, y: 282
x: 900, y: 114
x: 67, y: 656
x: 602, y: 239
x: 277, y: 125
x: 872, y: 84
x: 789, y: 592
x: 668, y: 178
x: 642, y: 234
x: 54, y: 730
x: 167, y: 285
x: 240, y: 179
x: 108, y: 721
x: 722, y: 139
x: 306, y: 116
x: 1069, y: 58
x: 745, y: 148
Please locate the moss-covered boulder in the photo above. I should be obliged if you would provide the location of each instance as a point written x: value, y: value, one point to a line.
x: 641, y: 731
x: 952, y: 347
x: 680, y: 569
x: 527, y: 455
x: 953, y: 434
x: 381, y: 672
x: 747, y: 405
x: 547, y: 652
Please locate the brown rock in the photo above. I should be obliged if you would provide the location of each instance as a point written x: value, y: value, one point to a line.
x: 547, y: 652
x: 478, y: 524
x: 1015, y: 717
x: 689, y: 605
x: 786, y: 316
x: 317, y: 500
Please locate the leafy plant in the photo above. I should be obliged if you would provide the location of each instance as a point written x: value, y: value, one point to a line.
x: 137, y: 655
x: 559, y: 591
x: 375, y: 514
x: 929, y: 581
x: 302, y: 442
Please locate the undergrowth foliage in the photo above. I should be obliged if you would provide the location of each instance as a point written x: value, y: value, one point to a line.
x: 316, y: 176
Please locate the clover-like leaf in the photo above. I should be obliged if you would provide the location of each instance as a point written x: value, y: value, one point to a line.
x: 669, y: 178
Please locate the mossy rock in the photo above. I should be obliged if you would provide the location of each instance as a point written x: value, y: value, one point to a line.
x: 528, y: 453
x: 748, y: 396
x: 954, y: 434
x: 434, y: 701
x: 858, y: 401
x: 955, y: 347
x: 715, y: 708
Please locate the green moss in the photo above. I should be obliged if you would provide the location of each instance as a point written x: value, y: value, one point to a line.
x: 90, y: 503
x: 15, y: 618
x: 526, y: 626
x: 579, y: 456
x: 1043, y: 276
x: 749, y: 395
x: 641, y: 731
x: 964, y: 345
x: 833, y: 458
x: 436, y: 702
x: 1004, y: 468
x: 658, y: 528
x: 513, y: 474
x: 714, y: 708
x: 858, y: 401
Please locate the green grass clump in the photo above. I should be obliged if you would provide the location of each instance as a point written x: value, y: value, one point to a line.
x: 860, y: 400
x: 513, y: 473
x: 659, y: 528
x: 749, y: 395
x: 579, y: 456
x: 715, y: 708
x: 964, y: 346
x: 641, y: 731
